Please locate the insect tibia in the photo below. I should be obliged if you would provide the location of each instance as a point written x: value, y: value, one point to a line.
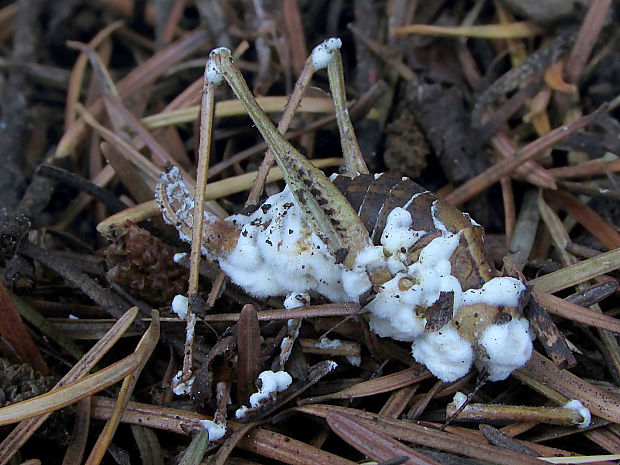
x: 176, y: 203
x: 324, y: 208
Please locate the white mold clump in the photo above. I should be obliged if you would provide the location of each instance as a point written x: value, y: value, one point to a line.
x: 213, y: 75
x: 241, y: 412
x: 498, y: 291
x: 181, y: 388
x: 397, y: 236
x: 458, y: 400
x: 177, y: 193
x: 271, y: 382
x: 322, y: 53
x: 216, y: 430
x: 325, y: 343
x: 583, y: 411
x: 278, y: 254
x: 508, y: 346
x: 296, y: 300
x: 446, y: 354
x: 419, y: 285
x: 180, y: 305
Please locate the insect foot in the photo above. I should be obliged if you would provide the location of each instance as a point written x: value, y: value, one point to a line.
x: 382, y: 236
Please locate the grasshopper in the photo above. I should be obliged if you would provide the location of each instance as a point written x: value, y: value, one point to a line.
x: 418, y: 263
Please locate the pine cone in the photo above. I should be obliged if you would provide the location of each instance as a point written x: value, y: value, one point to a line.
x: 144, y: 265
x: 20, y: 382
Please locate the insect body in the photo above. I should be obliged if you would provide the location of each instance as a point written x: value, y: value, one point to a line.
x: 421, y: 261
x: 444, y: 296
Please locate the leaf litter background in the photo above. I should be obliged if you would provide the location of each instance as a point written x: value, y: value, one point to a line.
x: 462, y: 96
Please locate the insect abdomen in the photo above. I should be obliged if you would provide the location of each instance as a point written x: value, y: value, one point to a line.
x: 373, y: 198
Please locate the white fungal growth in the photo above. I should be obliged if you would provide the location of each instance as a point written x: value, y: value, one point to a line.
x: 323, y: 53
x: 181, y: 388
x: 296, y: 300
x: 215, y: 429
x: 355, y: 282
x: 458, y: 400
x: 213, y: 75
x: 177, y: 194
x: 436, y: 221
x: 241, y: 412
x: 370, y: 257
x: 325, y: 343
x: 419, y: 285
x: 190, y: 328
x: 180, y: 305
x: 508, y: 347
x: 583, y: 411
x: 178, y: 257
x: 271, y: 382
x: 278, y: 254
x: 444, y: 352
x: 398, y: 235
x: 502, y: 290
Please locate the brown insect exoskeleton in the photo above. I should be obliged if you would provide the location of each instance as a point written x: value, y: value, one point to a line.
x: 419, y: 261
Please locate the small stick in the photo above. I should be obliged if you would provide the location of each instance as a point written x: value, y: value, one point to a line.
x: 204, y: 149
x: 507, y: 166
x: 592, y: 190
x: 482, y: 379
x: 578, y: 272
x: 524, y: 230
x: 593, y: 294
x: 486, y: 412
x: 586, y: 39
x: 586, y: 169
x: 560, y: 238
x: 81, y: 184
x: 500, y: 439
x: 419, y: 408
x: 383, y: 52
x: 509, y: 207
